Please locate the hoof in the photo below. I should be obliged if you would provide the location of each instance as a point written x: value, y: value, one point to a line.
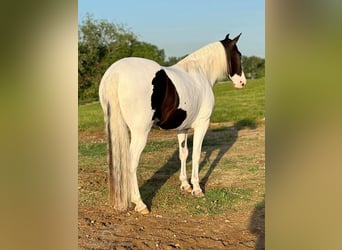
x: 186, y: 189
x: 197, y: 193
x: 143, y: 211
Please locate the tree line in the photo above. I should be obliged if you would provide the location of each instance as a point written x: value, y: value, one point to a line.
x: 101, y: 43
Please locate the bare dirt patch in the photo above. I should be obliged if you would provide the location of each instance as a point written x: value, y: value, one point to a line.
x: 237, y: 162
x: 101, y: 228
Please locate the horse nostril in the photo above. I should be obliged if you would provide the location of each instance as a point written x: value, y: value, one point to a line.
x: 243, y: 84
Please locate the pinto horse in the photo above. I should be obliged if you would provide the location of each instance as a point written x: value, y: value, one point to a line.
x: 136, y: 93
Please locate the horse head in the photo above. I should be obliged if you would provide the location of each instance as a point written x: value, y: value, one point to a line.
x: 234, y: 68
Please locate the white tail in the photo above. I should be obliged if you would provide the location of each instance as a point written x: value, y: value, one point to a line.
x: 118, y: 144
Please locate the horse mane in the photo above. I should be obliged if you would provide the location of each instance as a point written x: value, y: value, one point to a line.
x: 210, y: 60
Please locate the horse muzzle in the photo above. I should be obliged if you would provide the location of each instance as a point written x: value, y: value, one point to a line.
x: 239, y: 81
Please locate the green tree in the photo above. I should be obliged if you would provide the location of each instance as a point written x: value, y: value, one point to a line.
x: 173, y: 60
x: 101, y: 43
x: 253, y: 66
x: 147, y: 50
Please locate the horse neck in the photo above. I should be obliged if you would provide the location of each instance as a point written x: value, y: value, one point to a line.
x: 210, y: 61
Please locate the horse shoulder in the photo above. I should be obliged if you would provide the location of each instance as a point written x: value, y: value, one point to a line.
x: 195, y: 94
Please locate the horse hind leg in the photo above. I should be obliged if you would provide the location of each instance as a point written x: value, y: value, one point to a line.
x: 183, y: 154
x: 138, y: 142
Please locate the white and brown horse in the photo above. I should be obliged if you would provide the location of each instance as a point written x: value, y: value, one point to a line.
x: 135, y: 93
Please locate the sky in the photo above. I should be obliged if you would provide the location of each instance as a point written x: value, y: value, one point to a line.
x: 183, y: 26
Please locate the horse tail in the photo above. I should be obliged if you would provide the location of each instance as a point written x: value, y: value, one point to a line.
x: 118, y: 144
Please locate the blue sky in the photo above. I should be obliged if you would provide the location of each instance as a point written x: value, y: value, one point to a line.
x: 182, y: 26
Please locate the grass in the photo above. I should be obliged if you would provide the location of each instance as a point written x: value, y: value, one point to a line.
x: 90, y: 117
x: 152, y: 146
x: 215, y: 201
x: 232, y: 159
x: 245, y: 107
x: 218, y: 199
x: 92, y: 150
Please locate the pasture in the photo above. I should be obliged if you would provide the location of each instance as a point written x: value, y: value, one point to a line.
x: 232, y: 175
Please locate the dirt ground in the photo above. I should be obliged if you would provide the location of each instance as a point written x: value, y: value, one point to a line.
x: 100, y: 227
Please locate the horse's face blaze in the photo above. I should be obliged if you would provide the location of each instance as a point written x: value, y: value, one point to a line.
x: 239, y: 81
x: 165, y: 102
x: 234, y: 68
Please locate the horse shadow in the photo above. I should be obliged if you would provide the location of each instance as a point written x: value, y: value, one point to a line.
x: 221, y: 139
x: 219, y: 136
x: 257, y: 224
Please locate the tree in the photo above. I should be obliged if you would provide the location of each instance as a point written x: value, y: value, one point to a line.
x: 253, y: 66
x: 101, y: 43
x: 173, y: 60
x: 149, y: 51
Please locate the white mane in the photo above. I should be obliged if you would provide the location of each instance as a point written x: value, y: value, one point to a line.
x: 211, y: 60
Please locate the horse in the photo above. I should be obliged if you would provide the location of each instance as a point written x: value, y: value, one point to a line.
x: 137, y: 93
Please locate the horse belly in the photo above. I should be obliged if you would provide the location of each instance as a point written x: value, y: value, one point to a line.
x: 192, y: 108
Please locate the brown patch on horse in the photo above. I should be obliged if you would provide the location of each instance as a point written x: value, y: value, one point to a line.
x: 165, y: 102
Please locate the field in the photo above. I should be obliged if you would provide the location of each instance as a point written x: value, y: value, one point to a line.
x: 232, y: 174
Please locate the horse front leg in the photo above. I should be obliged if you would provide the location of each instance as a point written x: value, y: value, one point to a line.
x: 199, y: 133
x: 183, y: 155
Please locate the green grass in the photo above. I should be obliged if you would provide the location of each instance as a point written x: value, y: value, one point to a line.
x: 215, y: 201
x: 92, y: 149
x: 218, y: 199
x: 152, y: 146
x: 90, y: 117
x: 244, y: 107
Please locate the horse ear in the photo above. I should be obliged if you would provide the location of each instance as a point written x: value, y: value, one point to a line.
x: 236, y: 39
